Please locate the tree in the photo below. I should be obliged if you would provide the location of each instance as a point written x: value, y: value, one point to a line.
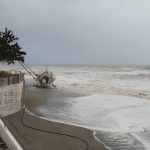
x: 10, y: 51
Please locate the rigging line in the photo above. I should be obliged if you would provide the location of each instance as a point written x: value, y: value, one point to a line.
x: 26, y: 70
x: 51, y: 132
x: 29, y: 68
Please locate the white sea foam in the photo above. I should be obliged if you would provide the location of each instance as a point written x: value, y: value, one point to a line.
x: 127, y: 114
x: 107, y: 113
x: 28, y: 76
x: 118, y: 109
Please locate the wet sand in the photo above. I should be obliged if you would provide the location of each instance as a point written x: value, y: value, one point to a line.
x: 35, y: 133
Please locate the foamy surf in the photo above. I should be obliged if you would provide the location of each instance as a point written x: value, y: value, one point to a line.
x: 114, y: 117
x: 120, y: 122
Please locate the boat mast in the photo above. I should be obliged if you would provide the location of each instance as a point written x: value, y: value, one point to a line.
x: 27, y: 69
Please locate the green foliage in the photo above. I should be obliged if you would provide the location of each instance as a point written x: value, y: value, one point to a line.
x: 4, y: 73
x: 10, y: 51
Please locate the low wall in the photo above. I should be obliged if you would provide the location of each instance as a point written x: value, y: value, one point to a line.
x: 9, y: 139
x: 11, y: 94
x: 10, y: 98
x: 12, y: 77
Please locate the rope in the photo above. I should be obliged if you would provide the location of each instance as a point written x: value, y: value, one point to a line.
x: 51, y: 132
x: 29, y: 69
x: 26, y: 69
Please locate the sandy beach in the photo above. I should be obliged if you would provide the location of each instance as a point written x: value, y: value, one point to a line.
x: 35, y: 133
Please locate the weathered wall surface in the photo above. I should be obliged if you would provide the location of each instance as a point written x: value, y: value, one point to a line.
x: 11, y: 94
x: 10, y: 98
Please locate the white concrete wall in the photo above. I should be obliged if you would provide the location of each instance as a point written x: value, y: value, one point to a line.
x: 10, y: 98
x: 7, y: 136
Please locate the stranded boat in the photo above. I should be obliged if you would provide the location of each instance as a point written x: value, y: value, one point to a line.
x: 44, y: 80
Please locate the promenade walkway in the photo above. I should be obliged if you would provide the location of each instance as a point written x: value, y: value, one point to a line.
x: 34, y: 133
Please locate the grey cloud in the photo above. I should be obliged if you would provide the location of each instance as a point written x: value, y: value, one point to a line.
x: 80, y: 31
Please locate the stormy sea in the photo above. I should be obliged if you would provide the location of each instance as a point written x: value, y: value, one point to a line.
x: 113, y: 101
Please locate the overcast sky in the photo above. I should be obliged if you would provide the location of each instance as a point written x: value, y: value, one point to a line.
x: 80, y: 31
